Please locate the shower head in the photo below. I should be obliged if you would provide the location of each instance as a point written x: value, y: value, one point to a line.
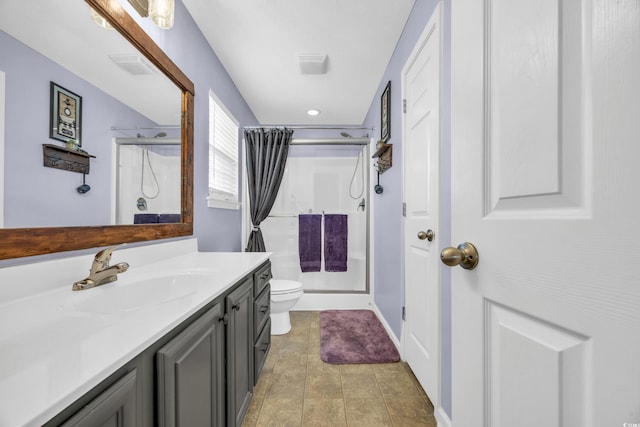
x: 345, y: 134
x: 161, y: 135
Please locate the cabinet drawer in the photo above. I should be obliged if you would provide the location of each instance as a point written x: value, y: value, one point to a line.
x: 261, y: 309
x: 261, y: 349
x: 261, y: 279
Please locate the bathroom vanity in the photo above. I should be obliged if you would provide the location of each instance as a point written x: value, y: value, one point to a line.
x: 178, y: 340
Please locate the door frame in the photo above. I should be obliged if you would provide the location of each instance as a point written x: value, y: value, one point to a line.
x: 425, y: 34
x: 2, y: 113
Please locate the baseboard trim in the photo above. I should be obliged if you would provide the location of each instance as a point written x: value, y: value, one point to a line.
x: 442, y: 418
x: 393, y: 337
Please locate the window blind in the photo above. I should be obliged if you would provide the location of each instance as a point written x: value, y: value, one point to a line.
x: 223, y: 157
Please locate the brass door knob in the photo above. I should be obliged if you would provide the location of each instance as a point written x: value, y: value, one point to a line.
x: 429, y: 235
x: 465, y: 255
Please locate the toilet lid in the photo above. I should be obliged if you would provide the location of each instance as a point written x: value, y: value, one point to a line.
x: 284, y: 286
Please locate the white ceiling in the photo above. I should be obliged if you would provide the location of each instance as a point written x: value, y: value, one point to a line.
x: 75, y: 42
x: 259, y: 41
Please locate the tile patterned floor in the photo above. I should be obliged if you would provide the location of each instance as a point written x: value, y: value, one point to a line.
x: 297, y: 388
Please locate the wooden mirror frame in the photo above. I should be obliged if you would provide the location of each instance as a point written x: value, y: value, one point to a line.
x: 22, y: 242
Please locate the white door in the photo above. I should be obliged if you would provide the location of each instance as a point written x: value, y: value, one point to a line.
x: 421, y: 145
x: 545, y: 144
x: 2, y: 109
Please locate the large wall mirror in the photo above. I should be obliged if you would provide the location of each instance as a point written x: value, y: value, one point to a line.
x: 127, y: 94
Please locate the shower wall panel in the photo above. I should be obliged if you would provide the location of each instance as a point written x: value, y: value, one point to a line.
x: 129, y: 186
x: 319, y: 185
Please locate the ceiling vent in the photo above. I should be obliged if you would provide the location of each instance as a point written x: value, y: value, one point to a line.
x: 134, y: 64
x: 313, y: 64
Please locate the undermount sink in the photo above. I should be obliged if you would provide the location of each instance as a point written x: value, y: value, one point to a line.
x: 128, y: 294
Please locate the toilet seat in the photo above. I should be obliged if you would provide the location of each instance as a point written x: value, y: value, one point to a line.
x: 281, y: 287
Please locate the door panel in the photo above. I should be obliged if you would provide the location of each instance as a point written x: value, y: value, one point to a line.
x: 545, y: 122
x: 537, y: 122
x: 190, y: 374
x: 240, y: 364
x: 421, y: 145
x: 527, y: 355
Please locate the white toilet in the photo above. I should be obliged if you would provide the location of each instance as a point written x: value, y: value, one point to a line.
x: 284, y: 295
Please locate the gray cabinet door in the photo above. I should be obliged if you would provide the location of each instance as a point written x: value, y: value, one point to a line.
x: 190, y: 372
x: 114, y: 407
x: 239, y: 307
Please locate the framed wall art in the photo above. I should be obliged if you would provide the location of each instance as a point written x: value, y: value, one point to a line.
x: 385, y: 113
x: 66, y: 115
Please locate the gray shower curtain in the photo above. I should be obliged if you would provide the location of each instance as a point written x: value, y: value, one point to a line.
x: 267, y: 151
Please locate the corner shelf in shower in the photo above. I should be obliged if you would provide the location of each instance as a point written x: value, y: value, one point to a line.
x: 58, y: 157
x: 385, y: 157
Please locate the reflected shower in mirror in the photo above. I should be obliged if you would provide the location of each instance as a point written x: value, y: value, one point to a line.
x: 148, y: 180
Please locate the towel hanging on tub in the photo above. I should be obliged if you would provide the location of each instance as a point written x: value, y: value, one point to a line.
x: 335, y: 242
x: 309, y: 243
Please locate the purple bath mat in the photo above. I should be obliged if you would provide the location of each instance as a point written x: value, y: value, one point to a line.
x: 354, y: 336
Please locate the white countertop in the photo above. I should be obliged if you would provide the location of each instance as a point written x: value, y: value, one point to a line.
x: 56, y: 344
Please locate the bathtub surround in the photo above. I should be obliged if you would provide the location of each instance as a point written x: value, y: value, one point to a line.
x: 318, y: 179
x: 354, y: 336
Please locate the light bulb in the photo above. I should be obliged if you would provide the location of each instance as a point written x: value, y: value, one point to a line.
x: 161, y: 12
x: 98, y: 19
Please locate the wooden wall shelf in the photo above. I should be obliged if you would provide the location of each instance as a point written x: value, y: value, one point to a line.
x: 58, y: 157
x: 385, y: 157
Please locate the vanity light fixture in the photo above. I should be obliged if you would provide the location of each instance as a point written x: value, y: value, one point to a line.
x: 98, y: 19
x: 313, y: 112
x: 161, y: 12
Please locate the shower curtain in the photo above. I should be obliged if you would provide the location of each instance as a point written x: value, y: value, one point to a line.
x: 267, y: 152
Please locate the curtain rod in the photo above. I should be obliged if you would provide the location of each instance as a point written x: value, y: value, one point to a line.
x: 148, y: 141
x: 148, y: 128
x: 330, y: 141
x: 309, y: 127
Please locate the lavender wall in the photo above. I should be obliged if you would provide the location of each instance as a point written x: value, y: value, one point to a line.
x: 388, y: 241
x: 216, y: 229
x: 40, y: 196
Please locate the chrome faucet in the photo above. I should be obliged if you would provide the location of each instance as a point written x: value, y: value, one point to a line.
x: 101, y: 272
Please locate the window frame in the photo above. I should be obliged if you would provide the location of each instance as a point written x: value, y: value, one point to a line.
x: 222, y: 200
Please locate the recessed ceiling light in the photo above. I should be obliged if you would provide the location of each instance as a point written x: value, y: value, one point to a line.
x: 313, y: 112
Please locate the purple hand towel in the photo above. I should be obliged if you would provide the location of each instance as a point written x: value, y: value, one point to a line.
x: 145, y: 218
x: 169, y: 218
x: 335, y: 242
x: 309, y: 243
